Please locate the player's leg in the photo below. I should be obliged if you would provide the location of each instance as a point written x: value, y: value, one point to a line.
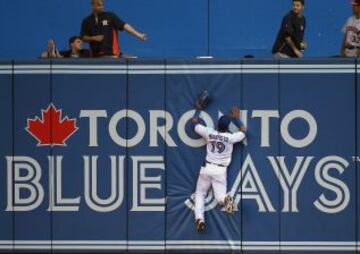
x: 219, y: 184
x: 202, y: 187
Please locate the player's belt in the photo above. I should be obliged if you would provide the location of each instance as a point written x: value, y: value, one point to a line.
x: 219, y: 165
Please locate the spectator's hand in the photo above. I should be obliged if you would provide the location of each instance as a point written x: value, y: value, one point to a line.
x: 303, y: 45
x: 235, y: 113
x: 51, y: 44
x: 142, y: 37
x: 298, y: 53
x: 51, y: 48
x: 98, y: 38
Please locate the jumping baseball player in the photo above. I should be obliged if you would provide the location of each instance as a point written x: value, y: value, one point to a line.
x: 219, y: 152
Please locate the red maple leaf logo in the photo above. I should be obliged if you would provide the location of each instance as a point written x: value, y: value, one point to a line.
x: 51, y: 130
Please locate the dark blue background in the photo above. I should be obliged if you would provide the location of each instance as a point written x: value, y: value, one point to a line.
x: 180, y: 28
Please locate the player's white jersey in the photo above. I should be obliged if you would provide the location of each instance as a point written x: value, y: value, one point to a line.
x: 219, y: 144
x: 351, y: 30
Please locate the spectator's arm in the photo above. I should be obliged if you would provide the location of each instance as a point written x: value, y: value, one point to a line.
x: 129, y: 29
x: 87, y: 38
x: 287, y: 30
x: 45, y: 54
x: 51, y: 51
x: 96, y: 38
x: 85, y: 34
x: 286, y: 27
x: 118, y: 22
x: 343, y: 47
x: 293, y: 47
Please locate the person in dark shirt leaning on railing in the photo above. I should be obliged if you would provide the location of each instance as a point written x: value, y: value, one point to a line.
x: 75, y: 50
x: 290, y: 39
x: 100, y: 30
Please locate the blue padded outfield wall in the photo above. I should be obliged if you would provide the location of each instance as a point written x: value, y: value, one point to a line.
x: 122, y: 169
x: 176, y: 28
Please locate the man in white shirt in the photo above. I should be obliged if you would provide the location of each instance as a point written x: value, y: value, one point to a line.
x: 220, y: 144
x: 351, y: 42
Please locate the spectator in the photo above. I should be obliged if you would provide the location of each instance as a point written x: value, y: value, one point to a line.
x: 76, y: 50
x: 100, y: 30
x: 290, y: 39
x: 51, y: 51
x: 351, y: 42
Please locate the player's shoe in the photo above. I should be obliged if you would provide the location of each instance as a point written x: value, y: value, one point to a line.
x: 229, y: 205
x: 200, y: 225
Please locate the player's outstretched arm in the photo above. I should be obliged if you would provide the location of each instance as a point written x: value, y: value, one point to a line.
x: 198, y: 108
x: 200, y: 104
x: 196, y: 118
x: 235, y: 116
x: 242, y: 133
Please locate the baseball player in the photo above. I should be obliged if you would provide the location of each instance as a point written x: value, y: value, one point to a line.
x: 351, y: 42
x: 219, y: 152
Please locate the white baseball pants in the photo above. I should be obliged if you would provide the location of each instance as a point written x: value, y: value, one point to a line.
x: 214, y: 176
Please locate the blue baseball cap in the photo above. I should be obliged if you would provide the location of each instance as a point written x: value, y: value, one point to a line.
x: 223, y: 123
